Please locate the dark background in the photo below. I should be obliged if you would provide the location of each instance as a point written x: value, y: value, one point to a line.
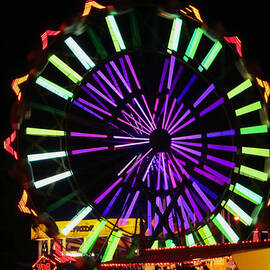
x: 22, y: 23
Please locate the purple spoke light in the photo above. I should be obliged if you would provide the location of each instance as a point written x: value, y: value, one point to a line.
x: 180, y: 120
x: 177, y: 76
x: 187, y: 87
x: 126, y: 84
x: 166, y: 187
x: 101, y: 75
x: 176, y: 115
x: 133, y: 71
x: 165, y: 111
x: 102, y: 85
x: 88, y: 135
x: 123, y: 121
x: 107, y: 191
x: 184, y: 215
x: 209, y: 176
x: 131, y: 138
x: 159, y: 172
x: 149, y: 218
x: 171, y: 177
x: 128, y: 145
x: 212, y: 107
x: 113, y: 79
x: 93, y: 106
x: 108, y: 208
x: 95, y: 90
x: 182, y: 169
x: 217, y: 174
x: 194, y: 205
x: 229, y: 148
x: 89, y: 150
x: 189, y: 137
x: 171, y: 69
x: 184, y: 154
x: 187, y: 149
x: 221, y: 161
x: 147, y: 169
x: 188, y: 143
x: 191, y: 120
x: 127, y: 165
x: 204, y: 95
x: 87, y: 110
x: 179, y: 178
x: 122, y: 63
x: 204, y: 198
x: 131, y: 206
x: 170, y: 113
x: 148, y: 110
x: 230, y: 132
x: 164, y: 71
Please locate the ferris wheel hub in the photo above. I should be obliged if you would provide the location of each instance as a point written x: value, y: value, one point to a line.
x: 160, y: 140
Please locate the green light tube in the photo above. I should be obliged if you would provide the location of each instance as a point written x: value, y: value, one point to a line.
x: 235, y: 210
x: 52, y: 179
x: 249, y: 108
x: 91, y: 239
x: 210, y: 57
x: 79, y: 53
x: 190, y: 240
x: 54, y: 88
x: 169, y: 243
x: 155, y: 245
x: 263, y: 152
x: 115, y: 33
x: 239, y: 89
x: 254, y: 130
x: 175, y: 35
x: 193, y: 44
x: 246, y: 193
x: 44, y: 132
x: 76, y: 219
x: 112, y: 245
x: 44, y: 156
x: 65, y: 69
x: 252, y: 173
x: 225, y: 228
x: 207, y: 236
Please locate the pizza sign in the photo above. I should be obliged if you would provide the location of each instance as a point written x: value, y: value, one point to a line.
x: 44, y: 263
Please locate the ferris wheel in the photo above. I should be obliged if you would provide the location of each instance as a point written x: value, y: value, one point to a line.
x: 145, y: 113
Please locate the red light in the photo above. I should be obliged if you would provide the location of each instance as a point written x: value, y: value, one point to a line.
x: 237, y: 42
x: 45, y: 35
x: 7, y: 143
x: 236, y: 218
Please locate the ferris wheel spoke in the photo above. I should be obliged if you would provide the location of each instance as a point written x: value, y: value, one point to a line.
x: 204, y: 95
x: 175, y: 116
x: 179, y: 121
x: 131, y: 144
x: 183, y: 154
x: 135, y: 127
x: 148, y: 110
x: 191, y: 120
x: 187, y: 87
x: 212, y: 107
x: 209, y: 176
x: 194, y: 205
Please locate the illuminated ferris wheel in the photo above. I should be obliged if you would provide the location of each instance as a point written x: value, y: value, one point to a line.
x: 145, y: 113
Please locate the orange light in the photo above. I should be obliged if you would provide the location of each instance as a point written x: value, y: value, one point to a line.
x: 15, y: 85
x: 7, y: 143
x: 45, y: 35
x: 266, y: 86
x: 22, y: 204
x: 236, y: 218
x: 194, y: 13
x: 88, y: 5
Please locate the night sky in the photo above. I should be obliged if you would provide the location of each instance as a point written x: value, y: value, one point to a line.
x: 22, y: 23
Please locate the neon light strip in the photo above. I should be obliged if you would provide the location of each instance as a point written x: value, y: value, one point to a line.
x: 228, y: 148
x: 187, y: 87
x: 52, y: 179
x: 89, y: 150
x: 108, y: 208
x: 180, y: 120
x: 191, y: 120
x: 210, y: 57
x: 149, y: 217
x: 128, y: 145
x: 131, y: 206
x: 204, y: 95
x: 209, y: 204
x: 79, y: 53
x: 184, y: 208
x: 87, y: 110
x: 102, y: 85
x: 189, y: 137
x: 164, y: 71
x: 185, y: 155
x: 131, y: 138
x: 54, y: 88
x: 76, y: 219
x: 221, y: 133
x: 187, y: 149
x: 254, y: 130
x: 159, y: 172
x: 248, y: 108
x: 44, y: 156
x: 193, y: 44
x: 188, y: 143
x: 175, y: 35
x: 44, y: 132
x: 90, y: 86
x: 239, y: 89
x: 91, y: 239
x: 127, y: 165
x: 107, y: 191
x: 252, y: 173
x: 115, y: 34
x: 133, y: 71
x: 176, y: 115
x: 166, y: 186
x: 203, y: 187
x: 124, y: 81
x: 217, y: 174
x: 87, y: 135
x: 171, y: 177
x: 93, y: 106
x: 207, y: 236
x: 147, y: 170
x: 221, y: 161
x: 235, y: 210
x: 194, y: 205
x: 148, y: 110
x: 225, y: 228
x: 209, y: 176
x: 171, y: 69
x: 170, y: 113
x: 123, y: 121
x: 212, y: 106
x: 190, y: 240
x: 112, y: 245
x: 65, y: 69
x: 246, y: 193
x: 165, y: 111
x: 263, y: 152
